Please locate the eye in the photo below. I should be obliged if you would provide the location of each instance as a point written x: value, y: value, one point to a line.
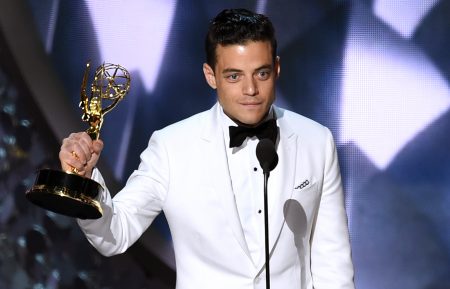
x: 232, y: 77
x: 263, y: 74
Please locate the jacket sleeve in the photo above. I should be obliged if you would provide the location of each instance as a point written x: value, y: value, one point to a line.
x: 331, y: 264
x: 132, y: 210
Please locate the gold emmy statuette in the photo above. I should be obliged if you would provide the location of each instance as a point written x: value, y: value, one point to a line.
x: 68, y: 193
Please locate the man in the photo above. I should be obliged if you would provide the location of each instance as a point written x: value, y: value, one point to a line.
x: 210, y: 186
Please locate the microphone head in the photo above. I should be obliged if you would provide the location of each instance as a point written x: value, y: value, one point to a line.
x: 267, y: 155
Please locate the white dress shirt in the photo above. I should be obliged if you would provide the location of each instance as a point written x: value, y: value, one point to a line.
x: 248, y: 184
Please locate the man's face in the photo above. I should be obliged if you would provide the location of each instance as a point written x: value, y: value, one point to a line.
x: 244, y: 77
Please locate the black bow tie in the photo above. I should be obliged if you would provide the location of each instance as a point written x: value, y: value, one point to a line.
x: 267, y: 129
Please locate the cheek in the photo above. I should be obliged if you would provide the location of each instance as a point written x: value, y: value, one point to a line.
x: 268, y: 87
x: 268, y: 91
x: 227, y: 94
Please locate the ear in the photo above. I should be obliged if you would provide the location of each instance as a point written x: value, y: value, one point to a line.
x: 209, y: 75
x: 277, y: 66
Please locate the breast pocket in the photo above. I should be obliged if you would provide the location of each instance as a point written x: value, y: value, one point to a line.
x: 300, y: 209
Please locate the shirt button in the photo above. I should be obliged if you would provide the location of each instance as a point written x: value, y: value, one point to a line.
x: 255, y: 169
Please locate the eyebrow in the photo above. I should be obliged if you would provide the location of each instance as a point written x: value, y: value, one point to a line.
x: 228, y: 70
x: 232, y: 70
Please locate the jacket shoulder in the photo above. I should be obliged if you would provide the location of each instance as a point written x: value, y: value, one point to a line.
x: 185, y: 128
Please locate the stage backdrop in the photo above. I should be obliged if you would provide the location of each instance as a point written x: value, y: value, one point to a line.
x: 376, y: 72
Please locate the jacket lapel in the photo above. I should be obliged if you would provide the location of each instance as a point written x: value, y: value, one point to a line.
x: 220, y: 175
x: 281, y: 180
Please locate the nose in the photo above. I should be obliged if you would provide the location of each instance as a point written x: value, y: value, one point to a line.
x: 250, y: 87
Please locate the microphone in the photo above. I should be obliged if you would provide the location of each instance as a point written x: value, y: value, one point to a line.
x: 268, y: 160
x: 266, y: 155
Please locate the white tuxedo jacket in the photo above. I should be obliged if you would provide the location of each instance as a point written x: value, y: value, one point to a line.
x: 184, y: 172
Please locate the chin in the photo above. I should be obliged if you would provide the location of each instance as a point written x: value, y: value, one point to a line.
x: 250, y: 121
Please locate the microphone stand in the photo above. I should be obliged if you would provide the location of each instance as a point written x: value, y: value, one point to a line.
x: 268, y: 159
x: 266, y: 230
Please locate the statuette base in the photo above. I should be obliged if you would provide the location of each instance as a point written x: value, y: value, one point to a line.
x: 67, y: 194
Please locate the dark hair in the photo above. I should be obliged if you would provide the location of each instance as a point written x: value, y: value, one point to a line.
x: 238, y: 26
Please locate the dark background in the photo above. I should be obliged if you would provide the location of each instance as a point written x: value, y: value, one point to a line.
x: 375, y: 72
